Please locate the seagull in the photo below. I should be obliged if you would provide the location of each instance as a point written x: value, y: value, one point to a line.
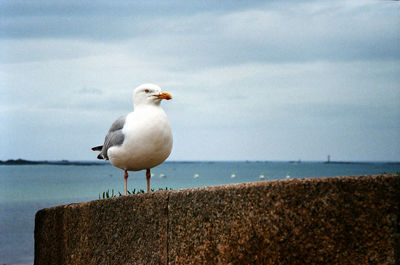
x: 141, y: 139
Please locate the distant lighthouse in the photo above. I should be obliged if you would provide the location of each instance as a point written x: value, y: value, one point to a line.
x: 329, y: 159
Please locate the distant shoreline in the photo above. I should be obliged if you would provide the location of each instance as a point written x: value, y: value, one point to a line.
x: 18, y: 162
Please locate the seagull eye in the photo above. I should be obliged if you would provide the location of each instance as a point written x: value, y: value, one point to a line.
x: 146, y: 90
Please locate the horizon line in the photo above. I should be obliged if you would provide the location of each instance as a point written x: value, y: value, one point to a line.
x: 217, y: 160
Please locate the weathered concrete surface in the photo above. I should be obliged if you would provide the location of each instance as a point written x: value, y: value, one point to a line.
x: 351, y: 220
x: 313, y: 221
x: 125, y: 230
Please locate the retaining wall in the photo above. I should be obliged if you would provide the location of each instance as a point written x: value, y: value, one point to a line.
x: 340, y: 220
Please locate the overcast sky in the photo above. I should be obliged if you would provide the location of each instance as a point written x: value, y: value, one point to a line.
x: 268, y: 80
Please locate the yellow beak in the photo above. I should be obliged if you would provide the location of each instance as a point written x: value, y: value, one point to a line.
x: 164, y: 95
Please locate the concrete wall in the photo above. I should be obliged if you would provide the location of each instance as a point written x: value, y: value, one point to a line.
x: 349, y: 220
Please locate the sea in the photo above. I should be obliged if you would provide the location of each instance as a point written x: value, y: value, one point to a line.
x: 25, y: 189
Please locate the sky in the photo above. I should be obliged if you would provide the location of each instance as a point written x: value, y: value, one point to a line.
x: 250, y: 80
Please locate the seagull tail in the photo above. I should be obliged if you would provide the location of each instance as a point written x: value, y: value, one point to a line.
x: 97, y: 148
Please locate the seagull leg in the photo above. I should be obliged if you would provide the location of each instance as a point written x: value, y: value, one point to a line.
x: 148, y: 176
x: 126, y: 182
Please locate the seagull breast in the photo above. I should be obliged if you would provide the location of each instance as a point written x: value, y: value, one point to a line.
x: 148, y: 140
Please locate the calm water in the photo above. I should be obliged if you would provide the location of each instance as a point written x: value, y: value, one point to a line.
x: 26, y: 189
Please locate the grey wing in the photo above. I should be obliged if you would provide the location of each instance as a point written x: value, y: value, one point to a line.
x: 114, y: 136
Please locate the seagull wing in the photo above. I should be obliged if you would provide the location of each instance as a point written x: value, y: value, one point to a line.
x: 114, y: 137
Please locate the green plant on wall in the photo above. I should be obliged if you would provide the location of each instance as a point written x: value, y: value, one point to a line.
x: 111, y: 194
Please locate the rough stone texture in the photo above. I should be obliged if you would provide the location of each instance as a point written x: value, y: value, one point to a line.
x: 352, y: 220
x: 344, y: 220
x: 124, y: 230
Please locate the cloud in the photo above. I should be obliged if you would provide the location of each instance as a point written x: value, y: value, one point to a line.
x: 254, y: 81
x: 100, y: 20
x: 295, y: 31
x: 315, y: 31
x: 90, y: 91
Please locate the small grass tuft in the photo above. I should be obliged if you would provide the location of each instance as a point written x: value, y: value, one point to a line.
x: 111, y: 194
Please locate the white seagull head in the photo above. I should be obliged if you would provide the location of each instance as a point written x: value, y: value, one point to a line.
x: 149, y: 94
